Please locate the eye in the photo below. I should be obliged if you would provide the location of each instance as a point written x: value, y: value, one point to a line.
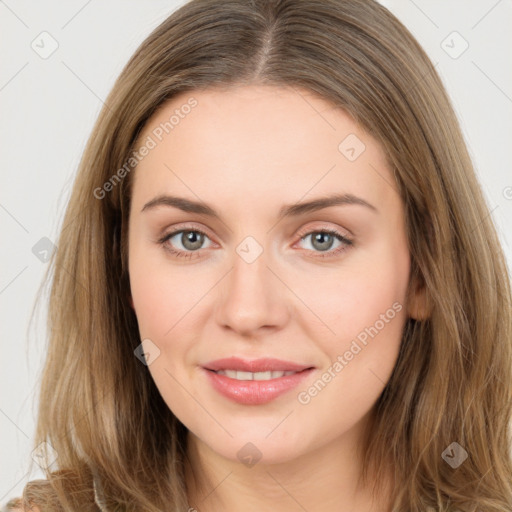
x: 323, y: 240
x: 191, y: 240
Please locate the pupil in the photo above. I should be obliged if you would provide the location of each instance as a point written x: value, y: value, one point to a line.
x: 321, y: 236
x: 192, y: 240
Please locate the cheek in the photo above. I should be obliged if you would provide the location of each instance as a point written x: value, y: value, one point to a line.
x: 369, y: 288
x: 154, y: 300
x: 362, y: 311
x: 164, y: 302
x: 162, y: 293
x: 367, y: 316
x: 169, y: 304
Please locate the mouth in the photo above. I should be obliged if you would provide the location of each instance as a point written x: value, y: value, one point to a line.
x: 241, y: 375
x: 255, y: 382
x: 255, y: 366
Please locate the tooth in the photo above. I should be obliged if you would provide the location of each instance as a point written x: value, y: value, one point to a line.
x: 241, y: 375
x: 263, y: 375
x: 244, y: 375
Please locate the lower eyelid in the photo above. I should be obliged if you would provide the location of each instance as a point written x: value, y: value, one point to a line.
x: 167, y: 237
x: 345, y: 242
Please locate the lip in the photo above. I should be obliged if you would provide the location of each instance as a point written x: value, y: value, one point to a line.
x: 257, y: 365
x: 255, y: 392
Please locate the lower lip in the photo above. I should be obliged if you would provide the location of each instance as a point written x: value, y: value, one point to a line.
x: 255, y: 392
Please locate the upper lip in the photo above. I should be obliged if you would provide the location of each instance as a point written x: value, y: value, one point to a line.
x: 256, y: 365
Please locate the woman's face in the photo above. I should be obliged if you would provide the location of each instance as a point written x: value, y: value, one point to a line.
x: 226, y: 259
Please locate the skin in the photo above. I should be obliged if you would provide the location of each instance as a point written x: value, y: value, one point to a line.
x: 247, y: 151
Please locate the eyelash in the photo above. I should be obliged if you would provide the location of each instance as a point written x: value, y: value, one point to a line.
x: 328, y: 254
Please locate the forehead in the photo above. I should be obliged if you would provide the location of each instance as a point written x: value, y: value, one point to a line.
x: 277, y: 143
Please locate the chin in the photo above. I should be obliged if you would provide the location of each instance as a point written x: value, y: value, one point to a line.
x: 250, y: 446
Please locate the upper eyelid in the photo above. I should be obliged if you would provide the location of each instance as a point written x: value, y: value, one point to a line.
x: 336, y: 232
x: 175, y: 230
x: 303, y: 232
x: 341, y: 231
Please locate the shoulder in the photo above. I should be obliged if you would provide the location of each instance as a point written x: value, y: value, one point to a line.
x: 16, y: 505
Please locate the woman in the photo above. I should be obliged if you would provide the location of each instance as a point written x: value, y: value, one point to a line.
x: 277, y: 285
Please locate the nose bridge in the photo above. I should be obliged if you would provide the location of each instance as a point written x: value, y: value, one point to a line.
x: 252, y: 295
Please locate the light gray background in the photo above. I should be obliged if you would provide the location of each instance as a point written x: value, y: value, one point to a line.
x: 48, y: 107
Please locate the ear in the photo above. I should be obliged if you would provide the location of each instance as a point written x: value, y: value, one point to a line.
x: 418, y: 306
x: 130, y: 300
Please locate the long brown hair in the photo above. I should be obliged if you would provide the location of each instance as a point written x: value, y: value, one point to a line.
x: 99, y: 407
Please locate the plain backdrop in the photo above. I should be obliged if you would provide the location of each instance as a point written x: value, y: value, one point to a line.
x: 59, y: 61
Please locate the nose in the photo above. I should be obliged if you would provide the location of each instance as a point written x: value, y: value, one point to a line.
x: 253, y: 298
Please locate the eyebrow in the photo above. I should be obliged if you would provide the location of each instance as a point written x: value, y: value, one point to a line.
x: 293, y: 210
